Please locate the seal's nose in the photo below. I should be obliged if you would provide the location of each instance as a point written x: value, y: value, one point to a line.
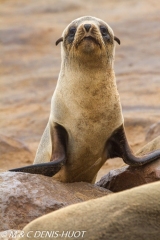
x: 87, y: 27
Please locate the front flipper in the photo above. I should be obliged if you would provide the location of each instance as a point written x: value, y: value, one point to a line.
x: 117, y: 146
x: 58, y: 159
x: 47, y: 169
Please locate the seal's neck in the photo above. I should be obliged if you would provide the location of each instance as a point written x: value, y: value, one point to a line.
x: 90, y: 82
x: 88, y: 62
x: 89, y: 70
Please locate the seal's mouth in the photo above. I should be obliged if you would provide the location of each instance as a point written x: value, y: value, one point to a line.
x: 89, y: 38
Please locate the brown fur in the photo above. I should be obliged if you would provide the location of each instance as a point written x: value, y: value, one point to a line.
x: 85, y: 102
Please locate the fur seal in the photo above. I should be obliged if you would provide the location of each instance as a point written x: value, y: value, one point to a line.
x: 86, y: 124
x: 130, y: 214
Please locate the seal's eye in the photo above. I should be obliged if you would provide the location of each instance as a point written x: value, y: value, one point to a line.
x: 104, y: 30
x: 105, y: 34
x: 72, y: 31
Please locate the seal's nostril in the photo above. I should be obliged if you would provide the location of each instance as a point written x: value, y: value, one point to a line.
x: 87, y: 27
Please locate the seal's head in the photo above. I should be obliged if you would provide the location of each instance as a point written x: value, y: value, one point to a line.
x: 88, y: 36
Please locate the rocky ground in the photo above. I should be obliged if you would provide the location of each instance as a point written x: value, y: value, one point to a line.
x: 30, y: 63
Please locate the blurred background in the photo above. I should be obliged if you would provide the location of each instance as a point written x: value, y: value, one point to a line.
x: 30, y: 63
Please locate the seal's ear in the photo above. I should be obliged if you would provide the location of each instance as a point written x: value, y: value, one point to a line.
x: 59, y: 40
x: 117, y: 40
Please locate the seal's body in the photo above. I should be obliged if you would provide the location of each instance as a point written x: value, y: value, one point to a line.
x: 130, y: 214
x: 85, y: 126
x: 88, y: 108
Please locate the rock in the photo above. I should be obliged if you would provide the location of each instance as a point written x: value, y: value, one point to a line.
x: 150, y: 147
x: 128, y: 215
x: 9, y: 234
x: 8, y: 144
x: 11, y: 148
x: 25, y: 197
x: 153, y: 131
x: 128, y: 177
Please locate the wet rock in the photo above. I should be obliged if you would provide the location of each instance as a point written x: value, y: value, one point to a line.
x: 25, y: 197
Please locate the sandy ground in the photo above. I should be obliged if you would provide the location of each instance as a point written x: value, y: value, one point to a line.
x: 30, y: 63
